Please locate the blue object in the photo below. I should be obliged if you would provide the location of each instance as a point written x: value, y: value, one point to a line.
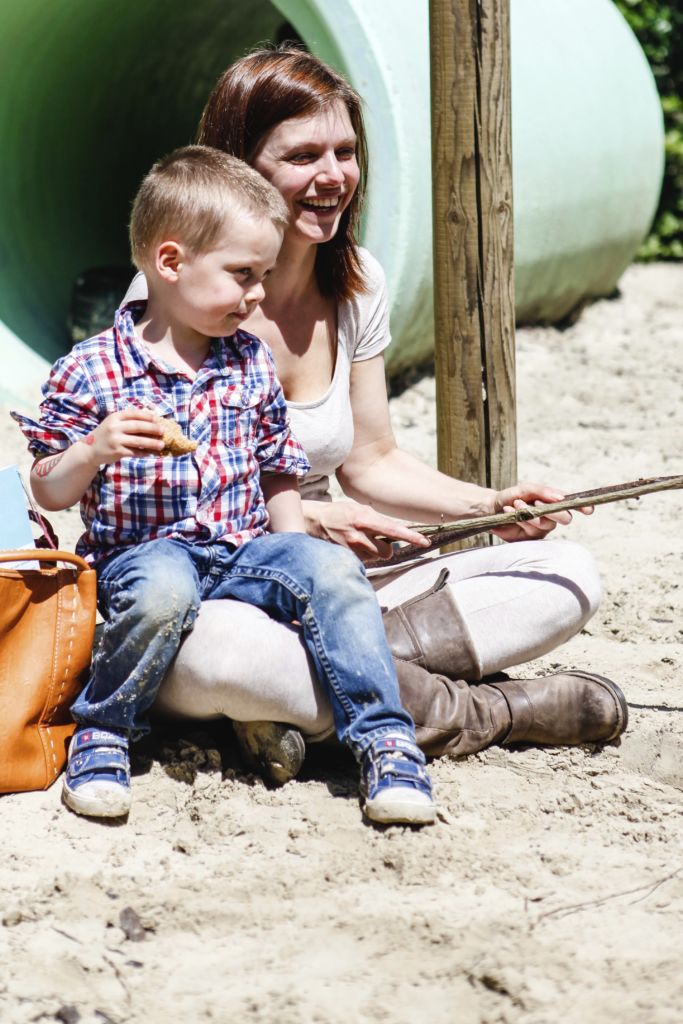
x: 15, y: 525
x: 394, y: 762
x: 150, y: 595
x: 97, y: 779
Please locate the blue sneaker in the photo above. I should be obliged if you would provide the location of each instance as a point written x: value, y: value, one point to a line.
x: 97, y: 779
x: 394, y: 784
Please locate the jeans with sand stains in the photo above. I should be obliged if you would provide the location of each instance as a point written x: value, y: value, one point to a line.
x: 150, y: 594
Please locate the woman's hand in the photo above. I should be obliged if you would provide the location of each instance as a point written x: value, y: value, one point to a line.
x: 527, y: 494
x: 357, y: 527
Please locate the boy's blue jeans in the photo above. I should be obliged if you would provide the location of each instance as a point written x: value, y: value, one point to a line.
x: 150, y: 595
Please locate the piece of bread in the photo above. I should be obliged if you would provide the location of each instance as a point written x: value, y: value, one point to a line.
x: 175, y: 442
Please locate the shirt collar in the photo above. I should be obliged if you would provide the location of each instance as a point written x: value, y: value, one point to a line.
x: 136, y: 359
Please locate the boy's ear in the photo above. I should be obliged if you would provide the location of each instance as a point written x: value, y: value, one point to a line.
x: 169, y: 260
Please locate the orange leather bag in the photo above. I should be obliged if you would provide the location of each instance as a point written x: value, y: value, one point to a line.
x: 47, y: 622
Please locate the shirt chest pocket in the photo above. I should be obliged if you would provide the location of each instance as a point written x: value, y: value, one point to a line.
x: 239, y: 417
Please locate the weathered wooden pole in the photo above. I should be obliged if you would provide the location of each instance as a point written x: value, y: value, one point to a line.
x: 473, y: 240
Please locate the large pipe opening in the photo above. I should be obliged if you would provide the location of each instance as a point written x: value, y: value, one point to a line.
x: 91, y: 94
x: 102, y: 91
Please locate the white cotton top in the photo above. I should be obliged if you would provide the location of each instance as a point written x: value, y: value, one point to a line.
x: 324, y: 427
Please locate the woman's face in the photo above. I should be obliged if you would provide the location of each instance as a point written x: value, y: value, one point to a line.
x: 312, y: 161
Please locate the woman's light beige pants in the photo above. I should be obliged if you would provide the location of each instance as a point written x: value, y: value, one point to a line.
x: 519, y: 601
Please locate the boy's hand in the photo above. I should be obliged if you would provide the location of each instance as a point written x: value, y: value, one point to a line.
x: 131, y: 432
x: 59, y: 481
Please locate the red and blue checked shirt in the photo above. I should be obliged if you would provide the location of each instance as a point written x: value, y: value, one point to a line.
x: 234, y: 409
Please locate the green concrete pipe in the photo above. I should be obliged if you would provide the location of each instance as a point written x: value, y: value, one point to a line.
x: 92, y: 92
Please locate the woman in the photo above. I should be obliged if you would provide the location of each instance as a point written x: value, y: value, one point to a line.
x: 325, y: 318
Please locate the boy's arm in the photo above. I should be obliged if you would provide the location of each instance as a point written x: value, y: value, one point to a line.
x: 283, y: 502
x: 277, y: 450
x: 60, y: 480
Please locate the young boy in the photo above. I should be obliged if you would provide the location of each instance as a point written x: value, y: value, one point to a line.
x: 167, y: 532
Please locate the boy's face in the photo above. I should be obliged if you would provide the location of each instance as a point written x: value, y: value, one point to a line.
x: 216, y: 290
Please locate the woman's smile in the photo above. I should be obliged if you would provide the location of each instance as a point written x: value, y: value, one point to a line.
x: 323, y: 207
x: 312, y: 162
x: 318, y: 203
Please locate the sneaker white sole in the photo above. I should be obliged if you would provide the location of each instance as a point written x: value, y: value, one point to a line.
x: 98, y: 799
x: 394, y: 808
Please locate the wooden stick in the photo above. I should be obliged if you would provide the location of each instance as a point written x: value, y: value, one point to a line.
x: 446, y: 533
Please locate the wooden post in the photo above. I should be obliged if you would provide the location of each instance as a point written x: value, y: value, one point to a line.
x: 473, y: 240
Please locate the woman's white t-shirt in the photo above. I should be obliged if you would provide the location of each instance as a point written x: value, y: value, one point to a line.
x: 324, y: 427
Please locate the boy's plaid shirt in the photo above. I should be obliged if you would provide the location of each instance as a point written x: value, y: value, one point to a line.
x: 234, y: 409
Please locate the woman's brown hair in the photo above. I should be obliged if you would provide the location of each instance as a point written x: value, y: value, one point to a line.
x: 260, y: 91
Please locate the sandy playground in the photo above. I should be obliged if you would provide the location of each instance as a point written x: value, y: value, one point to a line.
x: 551, y: 889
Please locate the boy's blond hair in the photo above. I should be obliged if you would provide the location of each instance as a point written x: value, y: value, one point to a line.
x: 187, y: 196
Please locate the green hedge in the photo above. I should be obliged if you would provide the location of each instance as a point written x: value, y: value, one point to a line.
x: 659, y: 28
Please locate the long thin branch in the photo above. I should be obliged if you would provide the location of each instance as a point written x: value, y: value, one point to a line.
x: 447, y: 533
x: 574, y: 908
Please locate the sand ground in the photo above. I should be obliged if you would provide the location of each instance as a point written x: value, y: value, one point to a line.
x: 551, y: 888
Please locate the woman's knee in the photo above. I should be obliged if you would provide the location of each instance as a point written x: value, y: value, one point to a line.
x: 267, y: 676
x: 575, y: 566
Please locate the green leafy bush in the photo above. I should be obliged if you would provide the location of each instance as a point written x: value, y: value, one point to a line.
x: 659, y: 29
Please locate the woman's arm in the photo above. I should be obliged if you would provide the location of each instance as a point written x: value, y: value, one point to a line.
x: 380, y: 474
x: 397, y: 483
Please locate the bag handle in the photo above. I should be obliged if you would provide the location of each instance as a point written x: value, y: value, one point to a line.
x: 49, y: 538
x: 40, y: 555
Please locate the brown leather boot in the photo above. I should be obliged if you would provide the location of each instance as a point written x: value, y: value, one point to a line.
x: 454, y: 717
x: 564, y: 709
x: 451, y: 717
x: 429, y: 630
